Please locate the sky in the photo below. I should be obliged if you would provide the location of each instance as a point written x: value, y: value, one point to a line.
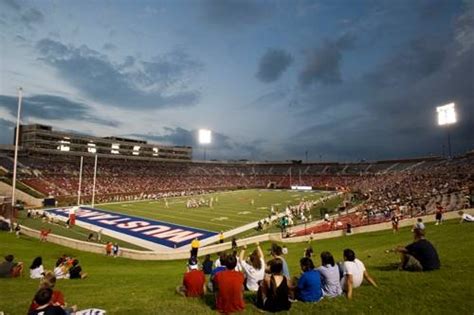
x: 338, y: 80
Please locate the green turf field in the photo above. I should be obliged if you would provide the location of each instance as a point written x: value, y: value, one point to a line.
x: 233, y: 209
x: 124, y: 286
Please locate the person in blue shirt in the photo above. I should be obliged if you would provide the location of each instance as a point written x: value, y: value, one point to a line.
x: 308, y: 288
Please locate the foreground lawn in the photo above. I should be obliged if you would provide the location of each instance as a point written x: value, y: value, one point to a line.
x: 124, y: 286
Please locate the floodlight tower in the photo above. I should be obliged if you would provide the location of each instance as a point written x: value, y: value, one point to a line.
x: 204, y: 139
x: 447, y: 117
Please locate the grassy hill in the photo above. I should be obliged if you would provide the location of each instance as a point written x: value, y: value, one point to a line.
x: 124, y: 286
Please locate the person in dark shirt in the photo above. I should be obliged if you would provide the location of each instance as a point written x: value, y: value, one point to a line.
x: 42, y: 299
x: 9, y: 268
x: 207, y: 265
x: 419, y: 255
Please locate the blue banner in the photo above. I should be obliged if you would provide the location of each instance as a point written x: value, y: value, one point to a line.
x: 163, y: 233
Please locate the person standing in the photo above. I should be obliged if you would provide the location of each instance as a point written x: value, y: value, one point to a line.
x: 195, y: 247
x: 108, y: 249
x: 234, y: 243
x: 221, y: 237
x: 439, y: 214
x: 115, y: 250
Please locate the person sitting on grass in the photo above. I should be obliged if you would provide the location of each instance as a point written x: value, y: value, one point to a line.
x: 9, y: 268
x: 354, y: 272
x: 329, y: 276
x: 194, y: 281
x: 254, y: 268
x: 465, y: 217
x: 220, y: 263
x: 61, y: 269
x: 308, y: 288
x: 229, y: 287
x: 207, y: 265
x: 75, y: 272
x: 43, y: 299
x: 419, y: 255
x: 36, y: 268
x: 49, y: 281
x: 273, y: 293
x: 277, y: 252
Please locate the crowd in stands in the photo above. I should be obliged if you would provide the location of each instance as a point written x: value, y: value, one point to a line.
x: 419, y: 183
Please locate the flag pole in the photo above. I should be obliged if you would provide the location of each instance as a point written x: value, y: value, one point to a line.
x: 15, y: 162
x: 80, y: 182
x: 93, y: 186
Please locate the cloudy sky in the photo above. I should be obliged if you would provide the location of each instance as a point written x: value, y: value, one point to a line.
x: 339, y: 79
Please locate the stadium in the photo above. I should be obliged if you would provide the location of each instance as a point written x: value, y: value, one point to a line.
x: 96, y: 218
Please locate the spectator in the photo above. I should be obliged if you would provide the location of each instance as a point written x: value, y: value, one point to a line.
x: 221, y: 237
x: 329, y: 276
x: 229, y: 287
x: 465, y: 217
x: 43, y: 299
x: 234, y: 243
x: 207, y: 265
x: 220, y: 266
x: 36, y: 268
x: 75, y: 272
x: 308, y: 288
x: 277, y: 252
x: 115, y: 250
x: 439, y: 214
x: 108, y: 249
x: 254, y: 268
x: 9, y: 268
x: 274, y: 290
x: 61, y: 270
x: 354, y: 272
x: 194, y: 281
x: 419, y: 224
x: 49, y: 281
x: 419, y: 255
x: 195, y: 247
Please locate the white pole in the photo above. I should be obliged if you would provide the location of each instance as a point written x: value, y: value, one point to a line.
x: 15, y: 162
x: 80, y: 183
x: 93, y: 185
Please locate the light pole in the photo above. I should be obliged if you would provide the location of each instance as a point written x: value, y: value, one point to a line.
x: 447, y: 117
x: 15, y: 161
x: 205, y: 137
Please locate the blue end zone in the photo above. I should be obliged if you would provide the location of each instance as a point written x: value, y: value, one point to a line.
x: 162, y: 233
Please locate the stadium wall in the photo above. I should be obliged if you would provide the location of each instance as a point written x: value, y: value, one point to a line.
x: 6, y: 190
x: 184, y: 253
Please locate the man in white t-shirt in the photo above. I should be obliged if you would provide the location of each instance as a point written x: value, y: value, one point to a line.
x: 465, y: 217
x: 354, y: 273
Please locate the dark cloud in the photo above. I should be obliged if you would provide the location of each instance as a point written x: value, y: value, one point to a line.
x: 12, y: 4
x: 53, y: 108
x: 419, y: 59
x: 221, y: 147
x: 235, y: 13
x: 148, y: 84
x: 272, y: 65
x: 323, y: 64
x: 390, y: 111
x: 32, y: 16
x: 109, y: 47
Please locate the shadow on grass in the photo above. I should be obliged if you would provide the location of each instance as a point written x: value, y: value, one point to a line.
x: 388, y: 267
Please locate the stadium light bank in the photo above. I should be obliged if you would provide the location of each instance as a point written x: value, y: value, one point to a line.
x: 447, y: 117
x: 205, y: 138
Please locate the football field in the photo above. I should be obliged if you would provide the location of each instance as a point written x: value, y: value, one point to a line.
x: 229, y: 209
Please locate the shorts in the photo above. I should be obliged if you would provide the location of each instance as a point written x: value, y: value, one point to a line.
x: 412, y: 264
x: 439, y: 216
